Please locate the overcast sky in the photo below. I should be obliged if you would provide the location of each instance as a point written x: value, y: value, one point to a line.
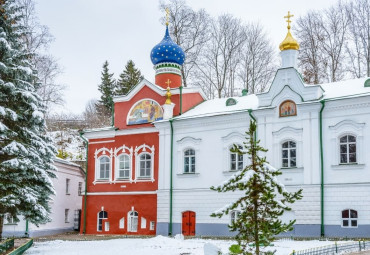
x: 88, y: 32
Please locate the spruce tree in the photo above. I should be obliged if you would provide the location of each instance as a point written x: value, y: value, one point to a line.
x: 106, y: 87
x: 128, y: 78
x: 263, y: 199
x: 26, y: 152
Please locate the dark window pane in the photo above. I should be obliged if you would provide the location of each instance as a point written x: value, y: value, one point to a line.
x: 193, y: 168
x: 233, y: 166
x: 345, y: 223
x: 240, y: 165
x: 105, y: 214
x: 193, y: 160
x: 148, y: 164
x: 285, y: 145
x: 187, y: 152
x: 345, y: 214
x: 186, y: 169
x: 186, y: 160
x: 291, y: 144
x: 354, y: 223
x: 352, y: 158
x: 343, y: 158
x: 285, y: 153
x: 343, y: 148
x: 142, y: 171
x: 142, y: 164
x: 293, y: 153
x: 343, y: 139
x: 233, y: 157
x: 240, y: 157
x: 353, y: 214
x: 351, y: 138
x: 293, y: 162
x: 285, y: 162
x: 352, y: 148
x: 147, y: 172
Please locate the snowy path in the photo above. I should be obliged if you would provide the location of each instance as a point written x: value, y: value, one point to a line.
x: 154, y: 246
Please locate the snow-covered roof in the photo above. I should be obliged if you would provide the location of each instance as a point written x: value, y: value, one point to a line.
x: 63, y: 161
x: 346, y: 88
x: 218, y: 107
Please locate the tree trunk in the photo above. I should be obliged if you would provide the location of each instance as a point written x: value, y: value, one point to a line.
x: 1, y: 225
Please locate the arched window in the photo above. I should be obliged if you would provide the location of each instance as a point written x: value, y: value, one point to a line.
x: 349, y: 218
x: 104, y: 167
x: 236, y: 160
x: 289, y: 154
x: 124, y: 166
x: 234, y: 216
x: 189, y: 161
x: 145, y: 165
x: 347, y: 144
x: 133, y: 218
x: 102, y: 215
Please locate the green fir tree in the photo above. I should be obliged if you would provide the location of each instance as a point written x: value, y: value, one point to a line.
x: 106, y: 88
x: 128, y: 78
x: 263, y: 201
x: 26, y: 152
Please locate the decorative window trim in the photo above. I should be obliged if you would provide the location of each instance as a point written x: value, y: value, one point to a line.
x: 123, y: 150
x: 228, y: 142
x: 139, y: 150
x: 347, y: 127
x: 103, y: 152
x: 183, y: 145
x: 289, y: 150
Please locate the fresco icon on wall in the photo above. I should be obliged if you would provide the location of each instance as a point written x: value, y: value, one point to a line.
x: 288, y: 108
x: 145, y: 111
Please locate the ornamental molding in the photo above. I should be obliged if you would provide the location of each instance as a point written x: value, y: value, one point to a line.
x: 167, y: 70
x: 287, y: 130
x: 103, y: 150
x: 347, y: 107
x: 144, y: 148
x: 232, y: 135
x: 124, y: 148
x: 189, y: 139
x: 347, y: 124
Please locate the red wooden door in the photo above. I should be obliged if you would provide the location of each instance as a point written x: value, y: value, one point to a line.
x: 188, y: 223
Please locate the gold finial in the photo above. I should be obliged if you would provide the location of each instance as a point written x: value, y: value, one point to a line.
x: 168, y: 96
x: 288, y: 19
x: 289, y: 42
x: 167, y: 16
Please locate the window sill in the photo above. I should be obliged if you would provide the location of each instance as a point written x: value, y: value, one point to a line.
x: 291, y: 169
x: 10, y: 224
x: 188, y: 175
x: 230, y: 172
x: 348, y: 166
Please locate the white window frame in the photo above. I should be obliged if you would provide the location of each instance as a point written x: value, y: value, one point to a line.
x: 123, y: 150
x: 289, y: 149
x: 234, y: 215
x: 103, y: 152
x: 131, y: 220
x: 342, y: 128
x: 122, y: 223
x: 141, y: 150
x: 236, y: 159
x: 182, y: 145
x: 98, y: 218
x: 228, y: 143
x: 9, y: 220
x: 349, y: 219
x: 190, y: 164
x: 347, y: 144
x: 152, y: 225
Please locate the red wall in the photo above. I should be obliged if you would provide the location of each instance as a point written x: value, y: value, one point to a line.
x: 161, y: 79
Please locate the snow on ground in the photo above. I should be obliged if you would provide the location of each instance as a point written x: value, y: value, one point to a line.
x: 155, y: 246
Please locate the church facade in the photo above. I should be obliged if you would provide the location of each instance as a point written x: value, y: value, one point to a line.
x: 152, y: 171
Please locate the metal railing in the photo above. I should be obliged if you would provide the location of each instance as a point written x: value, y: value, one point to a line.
x: 20, y: 250
x: 335, y: 248
x: 6, y: 245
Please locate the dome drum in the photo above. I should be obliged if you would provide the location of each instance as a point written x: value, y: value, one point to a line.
x: 167, y: 67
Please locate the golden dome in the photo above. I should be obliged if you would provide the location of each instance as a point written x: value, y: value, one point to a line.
x: 289, y: 42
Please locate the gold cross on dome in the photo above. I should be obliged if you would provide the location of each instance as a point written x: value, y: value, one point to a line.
x: 168, y: 82
x: 167, y: 16
x: 288, y: 18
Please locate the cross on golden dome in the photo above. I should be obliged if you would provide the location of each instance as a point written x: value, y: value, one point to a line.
x: 167, y: 16
x: 289, y: 42
x: 288, y: 19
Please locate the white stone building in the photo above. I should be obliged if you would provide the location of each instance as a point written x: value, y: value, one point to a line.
x: 317, y: 135
x: 65, y: 206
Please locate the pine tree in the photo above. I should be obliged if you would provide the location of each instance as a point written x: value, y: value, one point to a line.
x: 264, y: 199
x: 26, y: 152
x: 128, y: 78
x: 106, y: 87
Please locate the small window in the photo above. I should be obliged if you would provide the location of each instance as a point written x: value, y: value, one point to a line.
x: 102, y: 215
x: 230, y: 102
x: 133, y: 218
x: 347, y: 147
x: 145, y: 165
x: 66, y: 215
x: 104, y: 168
x: 106, y: 227
x: 189, y: 161
x: 143, y: 222
x: 289, y: 154
x: 152, y: 225
x: 349, y: 218
x: 68, y: 181
x: 287, y: 108
x: 80, y: 188
x: 124, y: 166
x: 234, y: 216
x: 8, y: 219
x: 236, y: 160
x: 122, y: 223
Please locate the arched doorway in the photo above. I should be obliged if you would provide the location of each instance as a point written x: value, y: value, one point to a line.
x: 188, y: 223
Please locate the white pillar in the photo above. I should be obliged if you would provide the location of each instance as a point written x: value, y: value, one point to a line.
x: 289, y: 58
x: 168, y: 111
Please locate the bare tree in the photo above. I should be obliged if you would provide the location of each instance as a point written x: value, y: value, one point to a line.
x: 37, y: 41
x: 93, y: 116
x: 189, y: 29
x: 217, y: 58
x: 258, y: 64
x: 358, y: 48
x: 310, y: 34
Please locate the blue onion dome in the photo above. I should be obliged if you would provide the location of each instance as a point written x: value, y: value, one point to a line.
x: 167, y: 51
